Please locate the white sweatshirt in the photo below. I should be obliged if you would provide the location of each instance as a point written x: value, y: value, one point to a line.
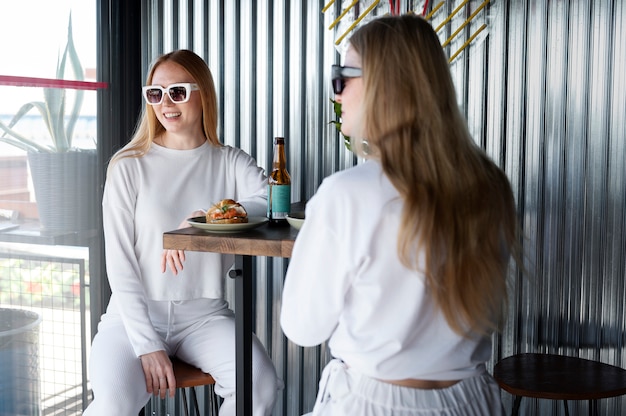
x: 346, y: 284
x: 146, y: 196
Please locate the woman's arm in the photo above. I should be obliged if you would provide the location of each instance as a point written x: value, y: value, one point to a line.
x: 250, y: 183
x: 318, y: 276
x: 123, y: 269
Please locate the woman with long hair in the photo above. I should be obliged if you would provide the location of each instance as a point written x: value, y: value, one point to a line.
x: 173, y: 165
x: 402, y: 261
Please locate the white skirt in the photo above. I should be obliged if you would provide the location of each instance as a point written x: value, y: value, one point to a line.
x: 343, y: 391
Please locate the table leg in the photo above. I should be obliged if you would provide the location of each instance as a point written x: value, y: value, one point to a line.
x: 242, y: 273
x: 516, y: 403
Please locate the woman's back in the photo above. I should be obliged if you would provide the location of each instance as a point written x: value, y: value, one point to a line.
x: 380, y: 313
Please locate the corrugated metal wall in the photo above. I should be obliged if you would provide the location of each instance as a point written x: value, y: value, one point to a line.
x: 544, y: 92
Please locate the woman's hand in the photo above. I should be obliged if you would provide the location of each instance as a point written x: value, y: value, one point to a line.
x: 175, y: 258
x: 159, y: 373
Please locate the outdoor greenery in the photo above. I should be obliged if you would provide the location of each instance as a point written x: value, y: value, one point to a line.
x: 52, y: 108
x: 42, y: 283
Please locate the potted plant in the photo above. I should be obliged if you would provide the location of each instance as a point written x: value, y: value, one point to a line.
x: 64, y: 177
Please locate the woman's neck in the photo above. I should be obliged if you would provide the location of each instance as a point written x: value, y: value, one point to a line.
x: 179, y: 142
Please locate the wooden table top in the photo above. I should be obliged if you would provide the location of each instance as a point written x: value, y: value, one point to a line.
x: 261, y: 241
x: 558, y: 377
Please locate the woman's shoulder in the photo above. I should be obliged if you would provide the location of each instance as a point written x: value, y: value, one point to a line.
x: 227, y: 150
x: 364, y: 182
x: 358, y: 193
x: 364, y: 175
x: 124, y: 160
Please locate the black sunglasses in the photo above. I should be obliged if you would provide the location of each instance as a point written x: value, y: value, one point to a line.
x: 339, y: 74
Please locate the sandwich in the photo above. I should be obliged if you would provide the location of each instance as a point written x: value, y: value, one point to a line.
x: 227, y: 211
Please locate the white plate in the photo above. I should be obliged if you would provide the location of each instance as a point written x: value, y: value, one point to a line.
x: 296, y: 219
x: 200, y: 222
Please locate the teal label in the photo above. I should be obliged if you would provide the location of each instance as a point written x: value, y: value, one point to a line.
x: 278, y: 201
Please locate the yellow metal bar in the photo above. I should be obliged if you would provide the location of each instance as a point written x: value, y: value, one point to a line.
x: 327, y: 6
x: 467, y: 43
x: 433, y: 11
x: 465, y: 23
x: 447, y: 19
x: 333, y: 24
x: 356, y: 22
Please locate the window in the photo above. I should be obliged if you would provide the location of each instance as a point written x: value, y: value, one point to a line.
x: 48, y: 236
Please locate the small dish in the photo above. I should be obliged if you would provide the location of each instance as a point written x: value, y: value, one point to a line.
x: 296, y: 219
x: 200, y: 222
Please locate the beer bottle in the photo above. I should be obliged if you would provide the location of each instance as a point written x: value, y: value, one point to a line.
x: 279, y: 186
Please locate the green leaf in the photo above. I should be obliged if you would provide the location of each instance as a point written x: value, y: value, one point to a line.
x: 337, y: 108
x: 337, y: 123
x: 55, y: 119
x: 70, y: 52
x: 20, y: 141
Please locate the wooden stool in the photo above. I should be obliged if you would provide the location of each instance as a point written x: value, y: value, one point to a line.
x: 557, y: 377
x: 189, y: 377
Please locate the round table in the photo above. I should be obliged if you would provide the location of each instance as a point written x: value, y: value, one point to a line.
x: 559, y: 377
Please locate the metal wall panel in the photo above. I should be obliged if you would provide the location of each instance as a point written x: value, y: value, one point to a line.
x: 543, y: 91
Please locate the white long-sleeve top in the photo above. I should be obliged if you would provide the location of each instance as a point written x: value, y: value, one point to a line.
x: 346, y: 284
x: 146, y: 196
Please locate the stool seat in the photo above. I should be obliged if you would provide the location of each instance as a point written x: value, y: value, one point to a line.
x: 187, y: 378
x: 188, y: 375
x: 558, y: 377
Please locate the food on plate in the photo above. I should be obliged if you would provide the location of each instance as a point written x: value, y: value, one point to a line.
x: 227, y: 211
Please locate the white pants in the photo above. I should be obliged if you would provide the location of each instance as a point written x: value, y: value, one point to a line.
x: 205, y: 338
x: 343, y: 391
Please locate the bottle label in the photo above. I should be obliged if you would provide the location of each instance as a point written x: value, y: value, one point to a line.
x: 278, y: 201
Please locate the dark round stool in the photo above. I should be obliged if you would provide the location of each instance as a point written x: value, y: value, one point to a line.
x: 558, y: 377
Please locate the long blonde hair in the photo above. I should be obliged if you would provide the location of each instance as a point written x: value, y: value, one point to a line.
x: 149, y: 126
x: 458, y: 205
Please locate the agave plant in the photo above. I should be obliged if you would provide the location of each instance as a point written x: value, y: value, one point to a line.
x: 52, y: 109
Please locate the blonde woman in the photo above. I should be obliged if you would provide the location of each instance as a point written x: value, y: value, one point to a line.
x: 170, y: 303
x: 402, y: 261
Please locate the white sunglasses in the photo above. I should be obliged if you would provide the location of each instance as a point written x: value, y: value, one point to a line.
x: 178, y: 93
